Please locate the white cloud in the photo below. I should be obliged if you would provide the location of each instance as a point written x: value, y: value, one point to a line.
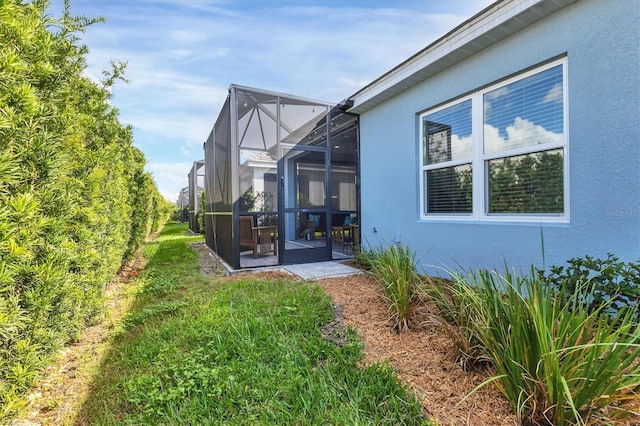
x: 170, y: 177
x: 461, y: 147
x: 496, y: 93
x: 183, y: 54
x: 183, y: 129
x: 180, y: 53
x: 187, y: 36
x: 171, y: 196
x: 88, y: 74
x: 487, y: 104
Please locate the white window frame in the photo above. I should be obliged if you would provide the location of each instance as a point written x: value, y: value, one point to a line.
x: 479, y: 160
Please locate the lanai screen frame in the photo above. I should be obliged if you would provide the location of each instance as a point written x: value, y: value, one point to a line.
x: 183, y: 199
x: 254, y: 124
x: 196, y: 177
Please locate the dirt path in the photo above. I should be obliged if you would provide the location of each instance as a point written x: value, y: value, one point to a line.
x: 65, y: 384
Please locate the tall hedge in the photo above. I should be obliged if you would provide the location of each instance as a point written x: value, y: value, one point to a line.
x: 75, y: 201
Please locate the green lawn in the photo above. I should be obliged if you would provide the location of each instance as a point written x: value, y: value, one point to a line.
x: 201, y: 350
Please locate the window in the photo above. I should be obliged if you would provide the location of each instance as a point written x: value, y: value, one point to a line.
x: 447, y: 159
x: 500, y: 152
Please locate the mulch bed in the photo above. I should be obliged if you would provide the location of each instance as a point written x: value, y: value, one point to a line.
x: 422, y: 358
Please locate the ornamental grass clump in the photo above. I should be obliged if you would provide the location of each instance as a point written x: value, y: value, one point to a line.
x: 453, y: 310
x: 556, y: 362
x: 364, y: 257
x: 395, y: 269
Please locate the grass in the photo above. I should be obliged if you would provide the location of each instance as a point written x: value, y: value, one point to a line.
x: 199, y: 350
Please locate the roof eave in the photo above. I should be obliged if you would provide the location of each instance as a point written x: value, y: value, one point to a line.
x: 493, y: 24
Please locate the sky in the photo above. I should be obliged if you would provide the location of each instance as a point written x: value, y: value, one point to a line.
x: 182, y: 56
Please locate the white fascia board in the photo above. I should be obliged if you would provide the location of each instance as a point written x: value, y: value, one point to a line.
x: 492, y: 18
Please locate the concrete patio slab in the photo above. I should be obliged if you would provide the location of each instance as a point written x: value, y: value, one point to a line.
x: 315, y: 271
x: 306, y: 271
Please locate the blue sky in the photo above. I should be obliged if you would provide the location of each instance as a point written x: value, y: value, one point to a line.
x: 183, y: 54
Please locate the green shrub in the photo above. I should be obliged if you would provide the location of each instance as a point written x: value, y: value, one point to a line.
x: 74, y: 198
x: 201, y: 212
x: 611, y: 282
x: 395, y: 269
x: 556, y: 362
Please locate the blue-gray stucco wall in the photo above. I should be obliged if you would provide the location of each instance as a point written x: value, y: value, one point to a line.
x: 601, y: 40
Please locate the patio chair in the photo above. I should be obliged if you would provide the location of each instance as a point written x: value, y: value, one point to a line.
x: 258, y: 238
x: 348, y: 235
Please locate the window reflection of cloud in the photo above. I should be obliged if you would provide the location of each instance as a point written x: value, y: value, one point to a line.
x: 489, y: 98
x: 461, y: 147
x: 553, y: 95
x: 520, y: 133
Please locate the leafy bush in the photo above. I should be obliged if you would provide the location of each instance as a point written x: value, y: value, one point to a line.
x: 395, y: 269
x: 611, y: 282
x: 75, y: 200
x: 556, y: 362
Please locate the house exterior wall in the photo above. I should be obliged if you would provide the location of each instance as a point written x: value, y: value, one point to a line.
x: 601, y: 41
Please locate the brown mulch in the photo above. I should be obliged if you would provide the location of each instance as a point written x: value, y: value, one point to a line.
x: 422, y: 357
